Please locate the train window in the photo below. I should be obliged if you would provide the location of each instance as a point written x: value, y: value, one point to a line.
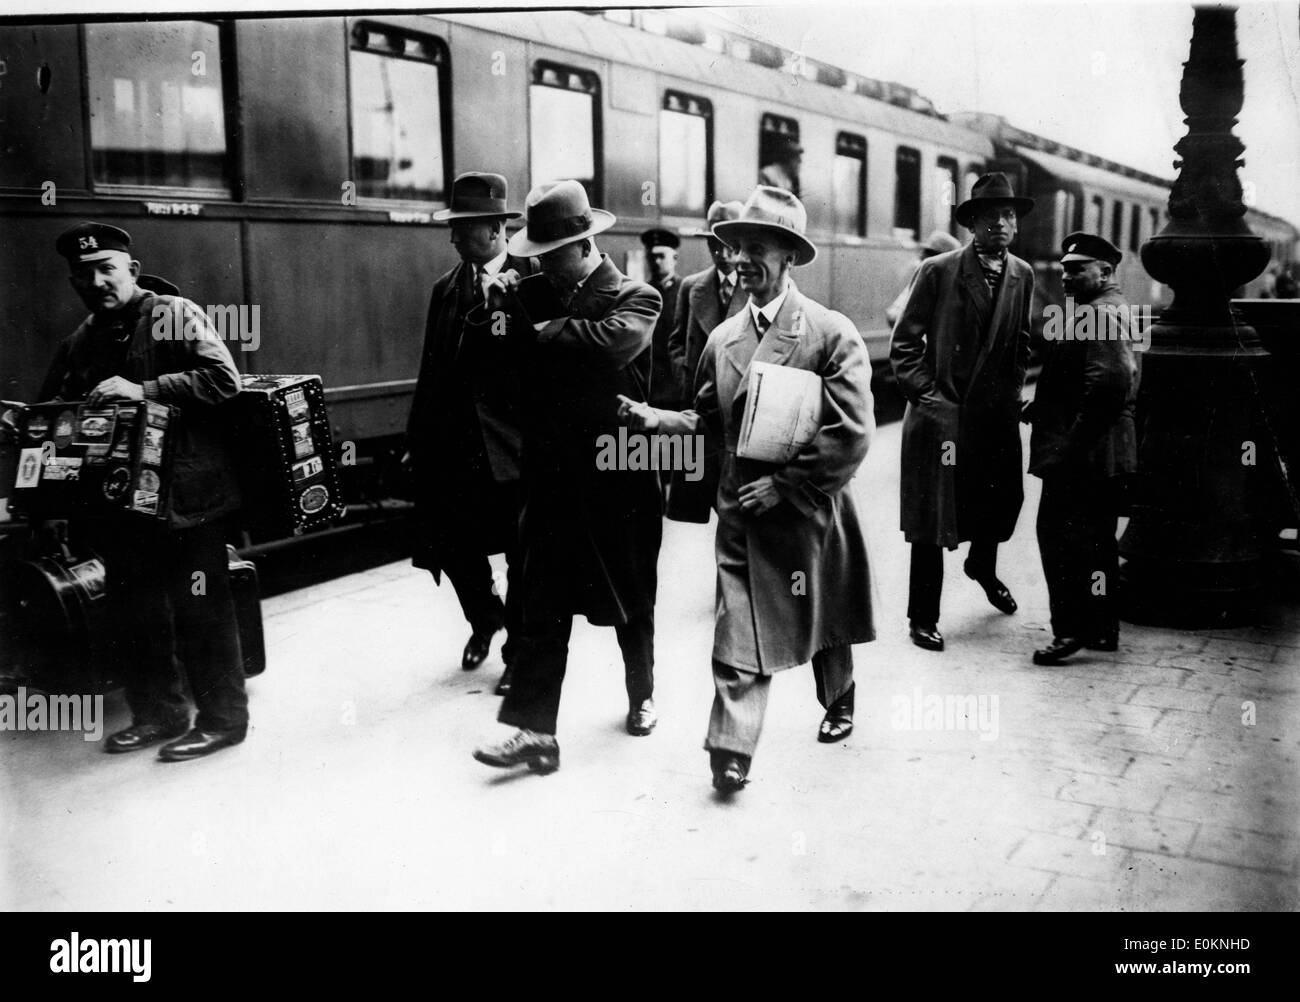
x: 397, y: 84
x: 1116, y: 222
x: 945, y: 194
x: 1064, y: 219
x: 907, y: 193
x: 1135, y: 228
x: 157, y: 108
x: 779, y: 153
x: 1155, y: 222
x: 1096, y: 208
x: 685, y: 154
x: 563, y: 126
x: 849, y: 184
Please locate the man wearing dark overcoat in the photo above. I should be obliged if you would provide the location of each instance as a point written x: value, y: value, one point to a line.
x: 589, y: 535
x: 794, y: 581
x: 704, y: 300
x: 661, y: 248
x: 959, y: 351
x: 463, y: 434
x: 1083, y: 444
x: 139, y: 345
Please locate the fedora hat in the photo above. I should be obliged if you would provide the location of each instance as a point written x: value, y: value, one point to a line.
x: 991, y: 189
x: 940, y: 241
x: 770, y: 211
x: 557, y: 213
x: 475, y: 195
x: 718, y: 211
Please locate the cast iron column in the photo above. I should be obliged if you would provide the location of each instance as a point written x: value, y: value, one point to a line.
x: 1193, y: 549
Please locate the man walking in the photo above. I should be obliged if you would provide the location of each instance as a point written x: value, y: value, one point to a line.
x: 1083, y: 440
x: 959, y: 351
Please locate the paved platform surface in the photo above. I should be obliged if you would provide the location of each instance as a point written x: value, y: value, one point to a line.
x: 1125, y: 781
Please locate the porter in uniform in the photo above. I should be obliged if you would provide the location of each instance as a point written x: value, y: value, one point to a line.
x: 167, y: 582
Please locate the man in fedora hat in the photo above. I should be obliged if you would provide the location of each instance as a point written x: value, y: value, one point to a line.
x: 162, y: 622
x: 960, y: 350
x: 661, y: 268
x: 1083, y: 444
x: 589, y: 535
x: 704, y: 300
x: 938, y: 242
x: 794, y: 581
x: 463, y: 433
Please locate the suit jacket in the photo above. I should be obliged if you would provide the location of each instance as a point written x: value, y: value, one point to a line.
x: 697, y: 313
x: 458, y: 452
x: 1083, y: 407
x: 665, y: 386
x: 815, y: 531
x: 960, y: 359
x: 195, y: 375
x: 589, y: 535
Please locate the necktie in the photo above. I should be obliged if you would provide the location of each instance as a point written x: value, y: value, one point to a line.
x: 479, y: 299
x: 724, y: 294
x: 762, y: 323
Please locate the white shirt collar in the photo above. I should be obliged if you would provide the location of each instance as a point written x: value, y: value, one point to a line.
x: 494, y: 266
x: 770, y: 310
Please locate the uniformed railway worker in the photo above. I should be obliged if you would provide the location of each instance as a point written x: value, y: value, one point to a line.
x: 661, y: 257
x: 959, y: 351
x: 794, y: 580
x: 152, y: 569
x: 463, y: 434
x: 589, y: 537
x: 1083, y: 444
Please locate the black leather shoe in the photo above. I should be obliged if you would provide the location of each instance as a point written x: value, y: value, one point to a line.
x: 139, y: 736
x: 198, y: 743
x: 926, y: 636
x: 995, y: 591
x: 1058, y: 650
x: 476, y: 650
x: 1106, y: 642
x: 838, y: 722
x: 507, y: 680
x: 540, y: 752
x: 730, y: 771
x: 641, y: 718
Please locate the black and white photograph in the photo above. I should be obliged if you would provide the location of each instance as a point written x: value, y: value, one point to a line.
x: 801, y: 458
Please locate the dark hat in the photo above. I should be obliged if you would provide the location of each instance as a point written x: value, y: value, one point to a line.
x: 557, y: 213
x: 771, y: 211
x: 158, y: 284
x: 718, y: 211
x: 991, y: 189
x: 1089, y: 247
x: 92, y: 242
x: 475, y: 195
x: 660, y: 238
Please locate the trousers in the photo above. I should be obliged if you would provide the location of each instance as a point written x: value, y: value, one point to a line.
x: 925, y: 578
x: 740, y: 698
x: 1076, y: 538
x: 470, y: 573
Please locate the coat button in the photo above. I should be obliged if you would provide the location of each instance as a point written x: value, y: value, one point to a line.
x: 958, y: 349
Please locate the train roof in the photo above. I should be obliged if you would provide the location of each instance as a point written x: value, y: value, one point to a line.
x: 605, y: 39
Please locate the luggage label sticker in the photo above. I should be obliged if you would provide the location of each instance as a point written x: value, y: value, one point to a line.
x: 313, y: 499
x: 29, y: 468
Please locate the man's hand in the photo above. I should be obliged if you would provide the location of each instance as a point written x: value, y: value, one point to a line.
x: 759, y: 496
x: 115, y: 388
x: 637, y: 416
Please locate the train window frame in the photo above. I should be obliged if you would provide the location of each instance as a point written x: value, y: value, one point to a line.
x: 912, y: 154
x: 695, y: 107
x: 772, y: 125
x: 1153, y: 214
x: 438, y: 55
x: 1135, y: 227
x: 1098, y: 204
x: 1117, y: 222
x: 851, y: 145
x: 232, y: 156
x: 595, y: 91
x: 951, y: 191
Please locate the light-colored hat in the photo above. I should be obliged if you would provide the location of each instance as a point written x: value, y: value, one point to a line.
x: 940, y: 242
x: 556, y: 214
x: 768, y: 211
x: 718, y: 211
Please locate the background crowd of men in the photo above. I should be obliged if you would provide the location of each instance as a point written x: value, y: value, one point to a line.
x: 536, y: 345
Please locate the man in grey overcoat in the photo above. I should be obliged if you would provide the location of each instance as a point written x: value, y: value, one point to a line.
x: 794, y: 581
x: 959, y: 351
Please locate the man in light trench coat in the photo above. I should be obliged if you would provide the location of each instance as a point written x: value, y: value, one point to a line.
x: 960, y: 350
x: 794, y: 581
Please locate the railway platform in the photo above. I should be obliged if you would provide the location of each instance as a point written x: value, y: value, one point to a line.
x: 1162, y: 777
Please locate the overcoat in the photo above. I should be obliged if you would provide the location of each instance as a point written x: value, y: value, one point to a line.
x: 195, y: 374
x: 796, y: 579
x: 589, y: 536
x: 456, y: 500
x: 961, y: 433
x: 1082, y: 413
x: 665, y: 387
